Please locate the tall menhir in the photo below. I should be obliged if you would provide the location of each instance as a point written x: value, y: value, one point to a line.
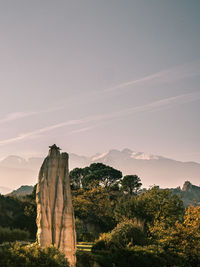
x: 55, y: 214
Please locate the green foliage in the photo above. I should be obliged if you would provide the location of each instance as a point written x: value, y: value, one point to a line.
x: 76, y: 176
x: 95, y: 206
x: 155, y: 217
x: 137, y: 256
x: 153, y: 205
x: 94, y: 175
x: 17, y: 255
x: 182, y: 238
x: 84, y: 259
x: 19, y: 213
x: 7, y: 235
x: 160, y: 204
x: 131, y: 184
x: 125, y: 234
x: 128, y: 207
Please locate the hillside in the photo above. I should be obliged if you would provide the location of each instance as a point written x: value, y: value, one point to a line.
x: 22, y: 191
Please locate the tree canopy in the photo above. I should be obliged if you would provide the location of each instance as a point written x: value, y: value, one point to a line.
x: 94, y: 175
x: 131, y: 184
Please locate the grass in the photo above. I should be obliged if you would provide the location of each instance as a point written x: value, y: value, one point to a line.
x: 84, y: 246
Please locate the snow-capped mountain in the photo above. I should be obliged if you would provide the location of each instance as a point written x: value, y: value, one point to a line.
x: 152, y: 169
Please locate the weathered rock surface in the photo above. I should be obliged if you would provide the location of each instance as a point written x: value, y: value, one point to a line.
x: 55, y: 214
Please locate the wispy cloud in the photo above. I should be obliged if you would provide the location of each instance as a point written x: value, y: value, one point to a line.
x: 20, y: 115
x: 166, y: 102
x: 169, y: 75
x: 84, y: 129
x: 39, y: 131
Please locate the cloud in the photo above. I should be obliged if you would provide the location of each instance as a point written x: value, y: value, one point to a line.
x: 84, y: 129
x: 176, y: 73
x: 20, y: 115
x: 170, y: 75
x: 42, y: 130
x: 166, y: 102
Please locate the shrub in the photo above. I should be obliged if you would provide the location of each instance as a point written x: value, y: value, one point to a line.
x: 137, y: 256
x: 125, y: 234
x: 84, y: 259
x: 17, y: 255
x: 8, y: 235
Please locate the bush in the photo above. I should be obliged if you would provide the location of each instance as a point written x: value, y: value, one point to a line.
x: 137, y: 256
x: 18, y: 255
x: 99, y: 245
x: 19, y: 213
x: 84, y: 259
x: 8, y: 235
x: 125, y: 234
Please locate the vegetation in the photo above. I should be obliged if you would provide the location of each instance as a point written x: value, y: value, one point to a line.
x: 19, y: 213
x: 94, y: 175
x: 131, y: 184
x: 17, y: 255
x: 125, y: 234
x: 8, y: 235
x: 128, y: 226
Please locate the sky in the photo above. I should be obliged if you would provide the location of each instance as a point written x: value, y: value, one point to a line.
x: 93, y: 75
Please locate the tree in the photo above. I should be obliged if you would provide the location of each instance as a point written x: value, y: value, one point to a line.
x: 94, y: 175
x: 128, y: 207
x: 76, y: 176
x: 131, y: 184
x: 103, y: 174
x: 184, y: 237
x: 95, y: 207
x: 160, y: 204
x: 19, y: 212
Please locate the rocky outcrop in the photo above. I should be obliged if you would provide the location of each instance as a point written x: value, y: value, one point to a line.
x: 55, y: 215
x: 191, y: 194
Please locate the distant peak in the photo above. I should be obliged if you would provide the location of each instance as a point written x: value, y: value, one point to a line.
x: 186, y: 186
x: 143, y: 156
x: 114, y: 151
x: 13, y: 159
x: 127, y: 151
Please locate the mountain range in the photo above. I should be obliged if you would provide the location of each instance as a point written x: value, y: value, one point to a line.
x: 152, y: 169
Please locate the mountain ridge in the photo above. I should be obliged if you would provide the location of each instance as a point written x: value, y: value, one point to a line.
x: 152, y: 169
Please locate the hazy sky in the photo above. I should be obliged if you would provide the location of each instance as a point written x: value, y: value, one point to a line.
x: 95, y: 75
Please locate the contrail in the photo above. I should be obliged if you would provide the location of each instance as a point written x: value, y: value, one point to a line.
x: 19, y: 115
x: 178, y: 100
x: 170, y: 75
x: 180, y: 72
x: 84, y: 129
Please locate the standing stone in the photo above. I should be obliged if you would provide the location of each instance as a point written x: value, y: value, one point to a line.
x: 55, y: 214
